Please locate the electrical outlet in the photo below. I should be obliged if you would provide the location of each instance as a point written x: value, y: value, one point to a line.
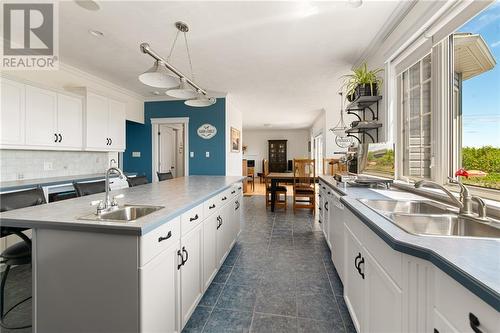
x: 47, y: 166
x: 191, y: 154
x: 207, y: 154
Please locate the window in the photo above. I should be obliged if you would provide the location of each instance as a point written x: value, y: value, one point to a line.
x: 415, y: 97
x: 476, y: 99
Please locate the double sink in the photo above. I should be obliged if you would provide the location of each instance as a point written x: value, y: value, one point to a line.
x: 431, y: 218
x: 126, y: 213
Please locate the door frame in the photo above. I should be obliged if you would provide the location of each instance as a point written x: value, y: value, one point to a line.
x: 155, y: 125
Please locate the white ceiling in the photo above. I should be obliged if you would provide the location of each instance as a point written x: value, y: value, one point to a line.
x: 279, y: 60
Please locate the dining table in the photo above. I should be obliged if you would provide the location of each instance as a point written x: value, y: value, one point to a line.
x: 275, y: 178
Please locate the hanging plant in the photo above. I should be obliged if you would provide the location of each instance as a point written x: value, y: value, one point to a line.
x: 362, y: 82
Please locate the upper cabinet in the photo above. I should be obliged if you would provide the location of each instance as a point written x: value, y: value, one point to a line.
x: 37, y: 118
x: 12, y: 113
x: 105, y: 123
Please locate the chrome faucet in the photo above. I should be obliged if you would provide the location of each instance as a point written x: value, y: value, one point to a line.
x: 108, y: 204
x: 464, y: 203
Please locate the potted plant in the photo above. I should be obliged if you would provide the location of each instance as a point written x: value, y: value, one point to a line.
x: 362, y: 82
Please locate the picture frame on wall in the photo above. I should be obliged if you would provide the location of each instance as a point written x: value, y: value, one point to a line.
x: 235, y: 140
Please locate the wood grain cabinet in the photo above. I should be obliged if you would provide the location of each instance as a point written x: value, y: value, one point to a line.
x: 277, y: 155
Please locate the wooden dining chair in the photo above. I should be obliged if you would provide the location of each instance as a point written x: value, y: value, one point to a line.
x: 331, y: 166
x: 280, y: 190
x: 304, y: 184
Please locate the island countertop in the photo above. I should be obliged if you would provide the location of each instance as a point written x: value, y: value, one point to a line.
x: 473, y: 262
x: 176, y: 196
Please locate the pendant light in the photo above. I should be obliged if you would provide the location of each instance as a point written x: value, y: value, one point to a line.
x: 341, y: 127
x: 158, y: 76
x: 200, y: 101
x: 184, y: 86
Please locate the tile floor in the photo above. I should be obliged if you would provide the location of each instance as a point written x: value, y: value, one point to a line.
x: 277, y: 278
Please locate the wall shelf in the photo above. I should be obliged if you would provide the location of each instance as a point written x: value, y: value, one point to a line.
x: 368, y: 126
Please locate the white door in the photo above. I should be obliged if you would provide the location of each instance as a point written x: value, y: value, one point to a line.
x: 210, y: 262
x: 116, y: 124
x: 159, y: 286
x: 383, y: 299
x: 69, y: 121
x: 12, y: 113
x: 318, y: 153
x: 167, y: 144
x: 354, y: 282
x: 191, y: 272
x: 97, y: 122
x: 41, y: 117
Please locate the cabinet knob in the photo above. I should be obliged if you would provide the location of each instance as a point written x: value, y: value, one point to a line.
x: 187, y: 255
x: 224, y: 198
x: 60, y: 137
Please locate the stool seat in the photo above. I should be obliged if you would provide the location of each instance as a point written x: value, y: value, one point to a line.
x: 17, y: 254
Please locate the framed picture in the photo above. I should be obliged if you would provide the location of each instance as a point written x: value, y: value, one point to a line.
x: 235, y: 140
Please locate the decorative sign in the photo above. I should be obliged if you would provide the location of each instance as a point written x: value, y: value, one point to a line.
x: 343, y: 141
x: 207, y: 131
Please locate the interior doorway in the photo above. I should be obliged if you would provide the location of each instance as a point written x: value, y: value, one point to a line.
x: 170, y: 146
x: 318, y: 153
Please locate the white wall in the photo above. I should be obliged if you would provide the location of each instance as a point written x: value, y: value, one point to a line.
x: 71, y: 77
x: 234, y: 119
x: 257, y: 145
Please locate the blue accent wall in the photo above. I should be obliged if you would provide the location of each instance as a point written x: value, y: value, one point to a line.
x: 138, y: 137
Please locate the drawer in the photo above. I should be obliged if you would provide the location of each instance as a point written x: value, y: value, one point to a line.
x: 211, y: 205
x: 239, y: 188
x: 159, y: 239
x: 225, y: 196
x: 191, y: 219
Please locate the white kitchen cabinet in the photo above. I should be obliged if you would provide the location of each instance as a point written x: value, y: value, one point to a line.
x: 236, y: 219
x: 105, y: 123
x: 210, y: 260
x: 70, y: 121
x: 12, y: 113
x: 327, y: 204
x: 191, y: 272
x: 336, y: 233
x: 441, y: 324
x: 354, y: 293
x: 159, y: 298
x: 41, y: 117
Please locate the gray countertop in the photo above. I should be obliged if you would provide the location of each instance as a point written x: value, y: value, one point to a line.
x: 474, y: 263
x: 51, y: 181
x: 177, y: 196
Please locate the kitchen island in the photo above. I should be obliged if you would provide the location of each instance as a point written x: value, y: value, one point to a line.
x: 146, y: 275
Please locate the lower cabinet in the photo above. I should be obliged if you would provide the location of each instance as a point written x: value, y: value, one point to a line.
x: 191, y: 272
x: 159, y: 292
x: 336, y: 234
x: 210, y: 257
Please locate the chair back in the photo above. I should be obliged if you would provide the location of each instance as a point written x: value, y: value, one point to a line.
x: 304, y: 173
x: 83, y: 189
x: 265, y: 167
x: 137, y: 180
x: 164, y: 176
x: 17, y: 200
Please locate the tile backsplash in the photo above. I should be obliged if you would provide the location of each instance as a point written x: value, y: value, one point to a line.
x: 29, y: 164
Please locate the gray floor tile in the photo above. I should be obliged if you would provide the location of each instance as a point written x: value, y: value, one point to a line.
x: 317, y: 306
x: 212, y: 294
x: 198, y: 320
x: 316, y: 326
x: 276, y: 303
x: 237, y: 297
x: 228, y: 321
x: 264, y: 323
x: 346, y: 317
x: 242, y: 275
x: 223, y: 274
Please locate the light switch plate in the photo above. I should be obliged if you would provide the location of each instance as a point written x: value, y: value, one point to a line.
x: 191, y: 154
x: 207, y: 154
x: 136, y: 154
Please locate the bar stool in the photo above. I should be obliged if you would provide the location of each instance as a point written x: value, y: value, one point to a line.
x: 88, y: 188
x: 19, y: 253
x: 164, y: 176
x: 137, y: 180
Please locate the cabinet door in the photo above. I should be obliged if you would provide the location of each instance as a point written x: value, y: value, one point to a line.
x: 12, y: 113
x: 354, y: 282
x: 220, y: 238
x: 191, y: 272
x: 70, y: 121
x: 96, y: 115
x: 41, y: 117
x: 159, y: 293
x: 441, y: 324
x: 210, y: 261
x: 326, y: 219
x: 383, y: 299
x: 336, y: 232
x: 116, y: 125
x: 228, y: 221
x: 237, y: 216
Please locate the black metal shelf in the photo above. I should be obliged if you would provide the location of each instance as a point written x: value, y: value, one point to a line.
x: 362, y: 102
x: 359, y: 108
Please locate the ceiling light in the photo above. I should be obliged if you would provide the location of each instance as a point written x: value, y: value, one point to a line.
x: 184, y: 91
x: 355, y: 3
x: 201, y: 101
x: 88, y: 5
x: 161, y: 75
x: 158, y: 76
x: 96, y: 33
x: 156, y: 92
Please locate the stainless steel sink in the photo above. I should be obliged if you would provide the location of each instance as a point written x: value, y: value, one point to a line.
x: 445, y: 225
x: 127, y: 213
x: 406, y: 206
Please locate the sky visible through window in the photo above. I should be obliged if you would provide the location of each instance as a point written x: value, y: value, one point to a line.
x: 481, y: 94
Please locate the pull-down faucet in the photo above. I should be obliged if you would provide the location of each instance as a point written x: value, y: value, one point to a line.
x: 107, y: 203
